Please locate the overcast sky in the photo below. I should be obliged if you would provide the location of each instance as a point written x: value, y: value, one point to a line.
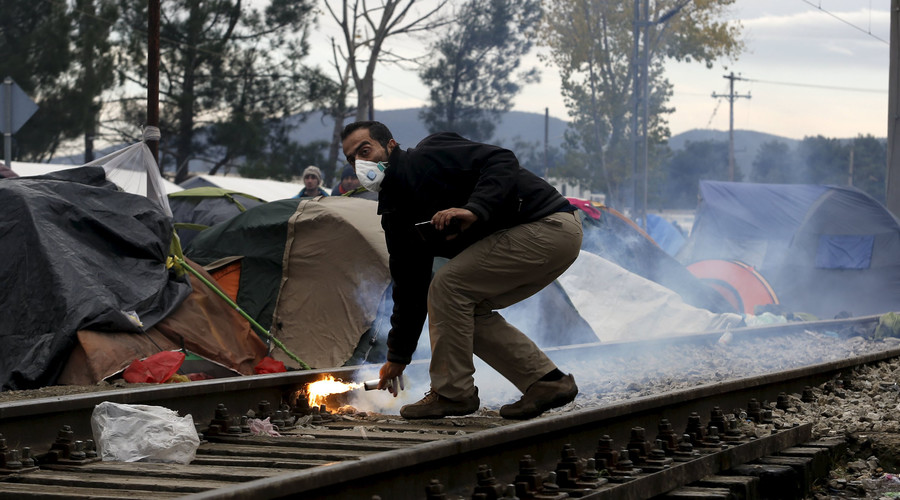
x: 811, y: 67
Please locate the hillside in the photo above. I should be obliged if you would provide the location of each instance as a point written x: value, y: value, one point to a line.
x: 746, y: 143
x: 514, y: 126
x: 409, y: 130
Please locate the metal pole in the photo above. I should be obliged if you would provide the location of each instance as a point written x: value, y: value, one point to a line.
x: 546, y: 140
x: 7, y: 115
x: 731, y: 127
x: 892, y: 178
x: 646, y: 117
x: 636, y: 95
x: 153, y: 10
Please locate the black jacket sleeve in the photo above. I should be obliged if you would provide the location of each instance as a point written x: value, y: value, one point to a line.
x: 410, y: 264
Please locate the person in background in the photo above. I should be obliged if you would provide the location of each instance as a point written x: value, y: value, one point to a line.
x: 508, y: 234
x: 351, y: 187
x: 348, y: 183
x: 312, y: 181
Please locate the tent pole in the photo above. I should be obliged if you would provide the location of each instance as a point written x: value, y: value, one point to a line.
x: 240, y: 311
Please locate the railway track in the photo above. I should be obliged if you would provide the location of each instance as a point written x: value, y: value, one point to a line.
x: 338, y: 455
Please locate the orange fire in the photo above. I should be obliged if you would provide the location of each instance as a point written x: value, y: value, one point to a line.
x: 317, y: 391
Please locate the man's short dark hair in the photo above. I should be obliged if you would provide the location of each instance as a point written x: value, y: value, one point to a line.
x: 377, y: 131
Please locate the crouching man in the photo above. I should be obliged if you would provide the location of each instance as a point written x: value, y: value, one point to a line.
x: 507, y: 233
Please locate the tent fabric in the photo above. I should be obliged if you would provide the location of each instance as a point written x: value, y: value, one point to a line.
x: 334, y: 273
x: 264, y: 189
x: 614, y: 237
x: 824, y: 250
x: 78, y: 254
x: 135, y: 170
x: 739, y: 283
x: 312, y: 271
x: 199, y: 208
x: 632, y: 306
x: 204, y: 324
x: 27, y: 169
x: 664, y: 234
x: 258, y: 236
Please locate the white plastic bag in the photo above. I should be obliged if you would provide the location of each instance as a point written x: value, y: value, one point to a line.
x: 130, y: 433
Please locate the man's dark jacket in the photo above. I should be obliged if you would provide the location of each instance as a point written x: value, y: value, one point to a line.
x: 445, y: 171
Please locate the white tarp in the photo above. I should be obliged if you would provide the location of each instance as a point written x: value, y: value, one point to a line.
x: 264, y: 189
x: 135, y: 171
x: 621, y: 305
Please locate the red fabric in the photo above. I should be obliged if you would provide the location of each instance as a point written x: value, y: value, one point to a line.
x: 269, y: 365
x: 155, y: 369
x: 586, y: 207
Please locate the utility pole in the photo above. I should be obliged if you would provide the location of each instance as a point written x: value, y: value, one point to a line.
x: 546, y: 140
x: 153, y: 23
x: 636, y: 105
x: 731, y: 96
x: 892, y: 178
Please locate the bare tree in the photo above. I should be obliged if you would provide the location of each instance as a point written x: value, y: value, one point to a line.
x: 365, y: 29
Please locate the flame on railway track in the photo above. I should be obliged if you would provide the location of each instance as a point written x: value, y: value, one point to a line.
x: 317, y: 391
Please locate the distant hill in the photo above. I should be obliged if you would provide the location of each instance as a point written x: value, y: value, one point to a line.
x: 408, y: 129
x: 514, y: 126
x: 746, y: 143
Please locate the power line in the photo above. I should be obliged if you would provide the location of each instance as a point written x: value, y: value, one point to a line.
x: 848, y: 23
x: 812, y: 85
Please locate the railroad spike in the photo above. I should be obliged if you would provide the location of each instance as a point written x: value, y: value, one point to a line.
x: 435, y: 490
x: 606, y: 456
x: 487, y: 483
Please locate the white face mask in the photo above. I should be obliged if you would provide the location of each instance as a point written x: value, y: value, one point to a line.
x: 370, y: 174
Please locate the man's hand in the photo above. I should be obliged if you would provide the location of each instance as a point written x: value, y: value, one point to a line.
x: 390, y: 376
x: 443, y: 218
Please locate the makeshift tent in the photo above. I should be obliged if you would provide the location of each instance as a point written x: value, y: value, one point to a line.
x: 78, y: 254
x: 664, y: 233
x: 311, y: 271
x: 823, y: 249
x: 740, y: 284
x: 632, y: 306
x: 204, y: 325
x: 264, y: 189
x: 199, y: 208
x: 134, y: 169
x: 26, y: 169
x: 614, y: 237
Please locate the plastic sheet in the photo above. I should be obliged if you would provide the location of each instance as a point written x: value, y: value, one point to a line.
x: 132, y: 433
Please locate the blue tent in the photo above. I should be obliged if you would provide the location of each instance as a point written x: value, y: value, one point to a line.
x: 666, y: 235
x: 824, y: 249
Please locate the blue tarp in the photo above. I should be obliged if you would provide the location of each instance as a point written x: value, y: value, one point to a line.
x: 667, y: 236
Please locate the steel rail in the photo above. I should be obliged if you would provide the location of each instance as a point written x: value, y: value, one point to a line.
x: 399, y: 473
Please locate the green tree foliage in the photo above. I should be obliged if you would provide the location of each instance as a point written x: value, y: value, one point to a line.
x: 58, y: 53
x: 831, y: 161
x: 592, y: 44
x: 472, y: 78
x: 826, y: 160
x: 701, y: 160
x: 774, y: 164
x: 226, y: 66
x: 533, y: 157
x: 870, y: 165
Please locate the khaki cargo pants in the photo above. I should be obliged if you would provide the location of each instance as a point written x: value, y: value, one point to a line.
x: 495, y: 272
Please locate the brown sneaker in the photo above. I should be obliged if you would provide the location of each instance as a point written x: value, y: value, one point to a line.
x: 540, y: 397
x: 433, y: 405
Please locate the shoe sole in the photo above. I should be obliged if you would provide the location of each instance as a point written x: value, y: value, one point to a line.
x: 446, y: 413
